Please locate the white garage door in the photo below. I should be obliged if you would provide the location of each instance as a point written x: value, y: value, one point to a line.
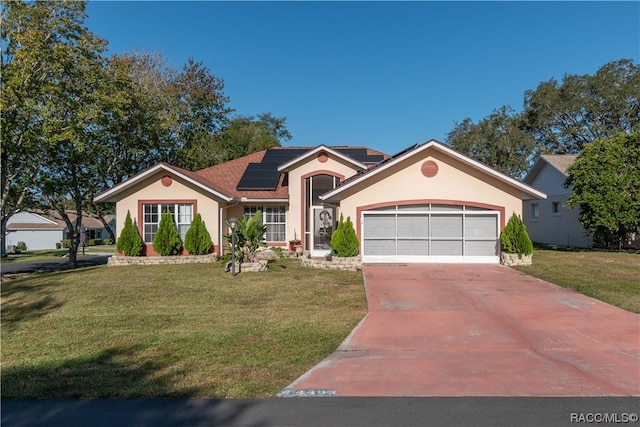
x: 430, y: 233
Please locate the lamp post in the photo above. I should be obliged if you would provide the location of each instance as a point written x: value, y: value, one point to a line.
x: 232, y: 223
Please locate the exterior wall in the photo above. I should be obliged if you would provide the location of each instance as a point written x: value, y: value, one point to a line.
x: 332, y: 166
x: 153, y: 190
x: 455, y: 182
x: 35, y: 239
x: 550, y: 228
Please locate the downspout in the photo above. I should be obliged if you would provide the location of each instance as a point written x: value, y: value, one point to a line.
x: 221, y: 225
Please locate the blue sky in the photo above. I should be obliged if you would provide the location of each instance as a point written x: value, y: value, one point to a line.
x: 385, y: 75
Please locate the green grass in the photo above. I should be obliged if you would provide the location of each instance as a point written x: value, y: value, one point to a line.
x: 611, y: 277
x: 172, y: 331
x: 45, y: 254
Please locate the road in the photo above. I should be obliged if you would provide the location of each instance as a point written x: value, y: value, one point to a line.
x: 52, y: 264
x: 325, y: 411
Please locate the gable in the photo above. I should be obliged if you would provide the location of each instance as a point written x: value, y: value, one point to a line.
x: 550, y: 180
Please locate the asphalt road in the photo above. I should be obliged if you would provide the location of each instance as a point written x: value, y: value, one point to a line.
x: 326, y: 411
x: 51, y: 264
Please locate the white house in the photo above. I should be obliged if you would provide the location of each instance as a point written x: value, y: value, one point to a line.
x: 550, y: 221
x: 40, y: 230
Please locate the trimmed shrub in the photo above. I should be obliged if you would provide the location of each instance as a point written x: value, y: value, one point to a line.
x: 514, y: 237
x: 94, y: 242
x: 197, y: 240
x: 167, y: 240
x: 344, y: 241
x: 129, y: 243
x: 20, y: 247
x: 66, y: 243
x: 107, y: 241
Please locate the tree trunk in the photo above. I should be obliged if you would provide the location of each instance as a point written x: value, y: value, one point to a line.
x: 112, y: 235
x: 3, y: 235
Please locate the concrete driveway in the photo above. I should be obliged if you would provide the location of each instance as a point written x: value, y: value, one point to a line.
x: 479, y: 330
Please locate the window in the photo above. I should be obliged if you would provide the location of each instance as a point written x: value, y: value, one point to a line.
x: 555, y: 208
x: 274, y: 217
x: 535, y: 211
x: 182, y: 217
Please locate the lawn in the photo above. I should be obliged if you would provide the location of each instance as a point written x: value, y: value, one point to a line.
x: 45, y: 254
x: 611, y: 277
x: 172, y: 331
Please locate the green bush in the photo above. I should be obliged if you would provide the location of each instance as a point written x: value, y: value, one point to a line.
x: 20, y: 247
x: 94, y: 242
x: 66, y: 243
x: 250, y: 236
x: 129, y: 243
x: 167, y: 240
x: 514, y: 237
x: 107, y: 241
x: 344, y: 241
x: 197, y: 240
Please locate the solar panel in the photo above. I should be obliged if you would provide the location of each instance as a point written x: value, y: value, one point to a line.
x: 259, y: 176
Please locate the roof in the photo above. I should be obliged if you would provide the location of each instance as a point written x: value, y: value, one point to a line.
x: 256, y: 176
x: 89, y: 221
x: 199, y: 181
x: 561, y: 162
x: 415, y: 149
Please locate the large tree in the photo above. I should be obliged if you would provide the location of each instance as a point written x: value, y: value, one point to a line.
x: 497, y: 140
x: 53, y: 66
x: 606, y: 185
x: 563, y: 117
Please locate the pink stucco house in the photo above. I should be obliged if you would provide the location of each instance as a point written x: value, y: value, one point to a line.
x: 428, y: 203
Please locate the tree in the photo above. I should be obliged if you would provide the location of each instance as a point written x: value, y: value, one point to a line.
x: 129, y: 243
x: 200, y: 112
x: 344, y: 241
x: 59, y: 119
x: 197, y: 240
x: 498, y: 141
x: 565, y: 117
x: 167, y: 240
x: 514, y: 237
x: 606, y: 184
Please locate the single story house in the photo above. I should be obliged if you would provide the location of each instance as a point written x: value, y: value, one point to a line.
x: 550, y: 221
x: 46, y: 230
x: 428, y: 203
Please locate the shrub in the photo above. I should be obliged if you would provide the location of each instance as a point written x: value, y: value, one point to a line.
x: 66, y: 243
x: 107, y: 241
x: 167, y: 240
x: 20, y: 246
x: 250, y: 236
x: 514, y: 237
x: 129, y: 243
x: 344, y: 242
x: 197, y: 240
x: 94, y: 242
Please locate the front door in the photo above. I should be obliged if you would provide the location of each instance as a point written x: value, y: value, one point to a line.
x: 323, y: 223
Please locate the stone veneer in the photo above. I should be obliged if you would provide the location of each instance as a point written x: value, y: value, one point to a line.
x: 115, y: 261
x: 336, y: 263
x: 514, y: 259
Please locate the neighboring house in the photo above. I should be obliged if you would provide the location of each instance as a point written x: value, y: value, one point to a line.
x: 428, y: 203
x: 46, y: 230
x: 550, y: 221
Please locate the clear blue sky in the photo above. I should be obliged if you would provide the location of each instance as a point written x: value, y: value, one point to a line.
x: 380, y: 74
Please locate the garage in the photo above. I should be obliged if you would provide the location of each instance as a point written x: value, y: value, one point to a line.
x: 430, y: 233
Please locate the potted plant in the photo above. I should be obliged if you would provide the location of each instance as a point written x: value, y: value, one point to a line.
x: 517, y: 248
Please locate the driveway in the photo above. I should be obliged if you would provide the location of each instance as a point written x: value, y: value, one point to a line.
x: 479, y: 330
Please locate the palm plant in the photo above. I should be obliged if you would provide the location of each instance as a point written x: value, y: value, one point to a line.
x: 250, y: 236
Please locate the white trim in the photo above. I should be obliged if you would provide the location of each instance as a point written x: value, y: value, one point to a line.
x: 443, y: 148
x: 316, y: 150
x: 128, y: 183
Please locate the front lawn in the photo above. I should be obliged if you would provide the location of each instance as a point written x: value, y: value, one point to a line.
x: 176, y: 330
x: 611, y: 277
x: 45, y: 254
